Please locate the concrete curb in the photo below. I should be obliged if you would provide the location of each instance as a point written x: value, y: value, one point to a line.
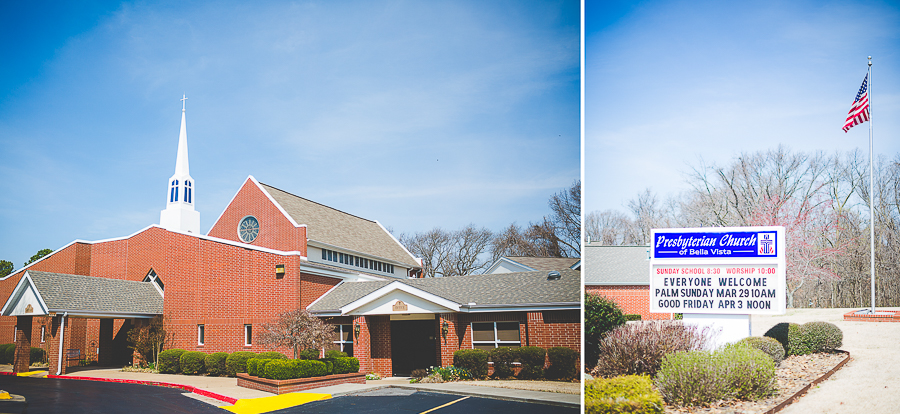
x: 805, y: 389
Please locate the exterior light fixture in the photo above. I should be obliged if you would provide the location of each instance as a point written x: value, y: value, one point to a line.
x: 356, y: 330
x: 279, y: 271
x: 445, y: 328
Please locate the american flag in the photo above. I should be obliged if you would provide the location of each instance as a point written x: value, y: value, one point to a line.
x: 859, y: 112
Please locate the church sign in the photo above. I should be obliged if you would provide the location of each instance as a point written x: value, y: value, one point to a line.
x: 718, y: 271
x: 399, y: 306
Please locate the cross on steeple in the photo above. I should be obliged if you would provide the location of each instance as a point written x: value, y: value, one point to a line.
x: 183, y: 98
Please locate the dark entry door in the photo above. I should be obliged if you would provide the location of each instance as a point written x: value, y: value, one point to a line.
x: 412, y: 346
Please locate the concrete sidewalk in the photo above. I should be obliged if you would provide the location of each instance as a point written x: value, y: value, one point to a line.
x: 227, y: 387
x: 869, y: 383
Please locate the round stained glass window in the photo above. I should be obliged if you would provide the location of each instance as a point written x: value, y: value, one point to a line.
x: 248, y: 229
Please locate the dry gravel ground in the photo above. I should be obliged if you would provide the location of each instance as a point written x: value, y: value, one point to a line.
x: 869, y: 383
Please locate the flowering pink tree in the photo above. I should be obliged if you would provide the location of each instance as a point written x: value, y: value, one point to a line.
x: 814, y: 244
x: 297, y: 329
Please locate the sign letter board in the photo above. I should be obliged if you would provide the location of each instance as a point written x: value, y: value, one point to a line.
x: 719, y: 270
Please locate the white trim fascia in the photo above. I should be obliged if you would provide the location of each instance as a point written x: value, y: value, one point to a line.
x: 415, y: 259
x: 272, y: 199
x: 526, y: 307
x: 325, y: 294
x: 19, y: 289
x: 104, y: 315
x: 575, y: 265
x: 504, y: 259
x: 336, y: 274
x: 397, y: 285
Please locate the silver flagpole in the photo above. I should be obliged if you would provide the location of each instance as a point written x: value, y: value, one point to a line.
x: 871, y: 191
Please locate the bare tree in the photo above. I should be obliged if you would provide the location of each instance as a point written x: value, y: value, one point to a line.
x: 450, y: 253
x: 565, y: 220
x: 297, y: 329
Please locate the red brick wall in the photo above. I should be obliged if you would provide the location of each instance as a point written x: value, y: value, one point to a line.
x: 275, y: 230
x: 633, y: 299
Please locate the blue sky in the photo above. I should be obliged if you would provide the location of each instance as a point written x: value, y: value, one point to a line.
x: 670, y: 83
x: 416, y: 114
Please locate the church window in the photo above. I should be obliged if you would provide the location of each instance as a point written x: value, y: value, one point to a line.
x: 490, y: 335
x: 43, y: 334
x: 324, y: 254
x: 153, y: 277
x: 248, y: 229
x: 342, y: 339
x: 173, y: 195
x: 248, y: 335
x: 187, y: 191
x: 201, y: 334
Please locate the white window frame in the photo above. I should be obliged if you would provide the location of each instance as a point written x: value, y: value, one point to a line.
x: 340, y: 332
x: 15, y: 333
x: 201, y: 334
x: 43, y: 332
x: 496, y: 342
x: 248, y: 334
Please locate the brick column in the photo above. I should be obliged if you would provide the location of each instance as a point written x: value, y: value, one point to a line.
x: 450, y: 342
x: 53, y: 345
x: 362, y: 347
x: 22, y: 359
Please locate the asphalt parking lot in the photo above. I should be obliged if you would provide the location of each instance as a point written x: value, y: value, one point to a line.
x: 397, y: 400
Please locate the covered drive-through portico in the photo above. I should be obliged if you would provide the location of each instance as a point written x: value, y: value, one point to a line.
x: 66, y: 304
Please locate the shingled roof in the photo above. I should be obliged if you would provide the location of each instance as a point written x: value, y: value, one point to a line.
x: 485, y: 291
x: 89, y: 295
x: 336, y: 228
x: 616, y: 265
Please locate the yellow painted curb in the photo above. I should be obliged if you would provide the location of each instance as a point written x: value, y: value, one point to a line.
x: 277, y: 402
x: 25, y: 374
x: 4, y: 396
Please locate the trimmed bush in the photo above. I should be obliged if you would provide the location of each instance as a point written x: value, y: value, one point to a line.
x: 271, y: 355
x: 215, y: 364
x: 192, y: 362
x: 334, y: 353
x: 769, y: 345
x: 308, y: 354
x: 532, y: 359
x: 638, y: 349
x: 346, y: 365
x: 601, y: 315
x: 305, y: 368
x: 237, y: 362
x: 255, y: 366
x: 475, y: 361
x: 37, y: 355
x: 703, y: 377
x: 781, y: 332
x: 7, y: 353
x: 626, y: 394
x: 503, y: 357
x: 815, y: 337
x: 329, y: 365
x: 170, y: 361
x: 278, y: 369
x: 562, y: 363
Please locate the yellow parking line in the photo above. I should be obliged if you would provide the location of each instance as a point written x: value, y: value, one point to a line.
x: 442, y: 406
x: 25, y: 374
x: 277, y: 402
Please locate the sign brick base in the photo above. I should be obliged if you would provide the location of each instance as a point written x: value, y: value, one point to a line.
x: 299, y: 384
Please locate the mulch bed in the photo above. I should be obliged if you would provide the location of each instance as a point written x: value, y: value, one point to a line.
x: 794, y: 373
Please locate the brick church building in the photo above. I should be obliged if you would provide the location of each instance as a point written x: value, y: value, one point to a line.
x: 269, y: 252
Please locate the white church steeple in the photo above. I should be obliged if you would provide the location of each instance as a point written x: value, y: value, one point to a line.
x: 179, y: 214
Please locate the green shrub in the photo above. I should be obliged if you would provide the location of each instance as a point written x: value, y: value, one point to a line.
x: 191, y: 362
x: 329, y: 365
x: 768, y: 345
x: 781, y: 332
x: 346, y: 365
x: 632, y: 317
x: 237, y: 362
x: 475, y: 361
x: 305, y: 368
x: 278, y: 369
x: 308, y: 354
x: 562, y: 363
x: 256, y: 365
x: 532, y: 359
x: 37, y: 355
x: 703, y: 377
x: 7, y: 353
x: 271, y: 355
x: 170, y: 361
x: 626, y: 394
x: 818, y: 337
x: 601, y: 315
x: 215, y: 364
x: 638, y: 349
x: 503, y: 357
x: 334, y: 353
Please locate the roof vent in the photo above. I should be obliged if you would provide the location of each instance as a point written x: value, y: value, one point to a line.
x: 553, y: 275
